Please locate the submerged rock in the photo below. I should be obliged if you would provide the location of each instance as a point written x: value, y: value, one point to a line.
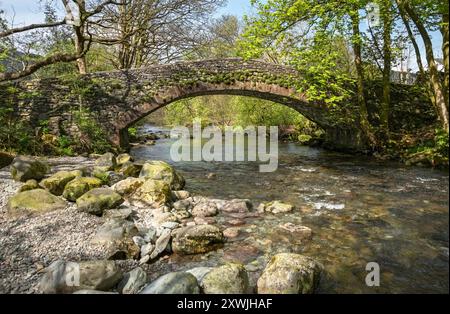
x: 160, y: 170
x: 97, y: 200
x: 237, y: 206
x: 173, y: 283
x: 277, y: 207
x: 300, y: 231
x: 57, y: 182
x: 289, y: 273
x: 34, y: 202
x: 231, y: 278
x: 26, y: 168
x: 197, y: 239
x: 232, y: 232
x: 68, y: 277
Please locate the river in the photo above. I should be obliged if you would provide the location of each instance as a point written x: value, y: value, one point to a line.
x: 360, y: 210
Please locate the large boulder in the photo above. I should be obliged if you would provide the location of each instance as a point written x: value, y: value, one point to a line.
x: 26, y: 168
x: 116, y: 236
x: 197, y: 239
x: 34, y: 202
x: 289, y: 273
x: 68, y: 277
x: 79, y: 186
x: 231, y: 278
x: 151, y: 193
x: 98, y: 200
x: 160, y: 170
x: 106, y: 162
x: 128, y: 186
x: 133, y: 281
x: 173, y: 283
x: 57, y: 182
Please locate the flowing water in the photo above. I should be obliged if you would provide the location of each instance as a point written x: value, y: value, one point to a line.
x: 360, y: 210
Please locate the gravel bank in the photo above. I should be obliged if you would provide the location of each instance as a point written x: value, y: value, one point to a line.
x: 28, y: 244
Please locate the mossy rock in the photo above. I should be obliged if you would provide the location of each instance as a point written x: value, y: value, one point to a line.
x: 128, y: 186
x: 26, y: 168
x: 107, y: 177
x: 30, y: 185
x: 97, y: 200
x: 152, y: 193
x: 57, y: 182
x: 289, y: 273
x: 197, y: 240
x: 160, y: 170
x: 129, y: 169
x: 230, y: 278
x: 106, y: 162
x: 79, y: 186
x: 36, y: 201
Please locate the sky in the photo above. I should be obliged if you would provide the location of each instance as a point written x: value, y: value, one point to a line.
x: 27, y: 11
x: 24, y: 12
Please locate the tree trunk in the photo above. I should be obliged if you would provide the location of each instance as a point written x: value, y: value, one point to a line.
x: 435, y: 81
x: 361, y: 98
x: 385, y: 105
x: 79, y: 47
x: 418, y: 54
x: 79, y: 37
x: 445, y: 53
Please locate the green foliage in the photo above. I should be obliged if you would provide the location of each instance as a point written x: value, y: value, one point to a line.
x: 317, y: 50
x: 92, y: 137
x: 304, y: 138
x: 132, y: 134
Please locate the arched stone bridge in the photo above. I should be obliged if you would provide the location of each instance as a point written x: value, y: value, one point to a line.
x: 119, y: 99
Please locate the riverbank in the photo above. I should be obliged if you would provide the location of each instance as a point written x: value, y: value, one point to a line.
x: 35, y: 246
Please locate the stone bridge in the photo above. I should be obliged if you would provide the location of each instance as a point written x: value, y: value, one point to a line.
x: 119, y: 99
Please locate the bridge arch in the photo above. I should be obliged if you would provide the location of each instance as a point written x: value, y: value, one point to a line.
x: 140, y: 92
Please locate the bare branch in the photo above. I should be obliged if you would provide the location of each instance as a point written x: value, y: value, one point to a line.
x: 30, y: 27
